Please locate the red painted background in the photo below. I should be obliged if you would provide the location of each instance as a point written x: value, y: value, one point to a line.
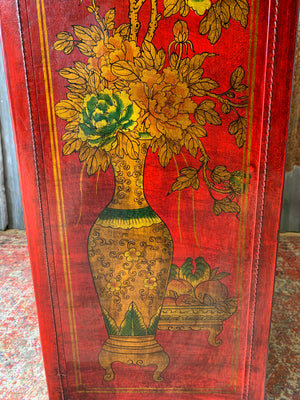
x: 196, y: 369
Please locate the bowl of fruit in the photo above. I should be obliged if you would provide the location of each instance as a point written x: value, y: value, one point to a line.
x: 197, y: 299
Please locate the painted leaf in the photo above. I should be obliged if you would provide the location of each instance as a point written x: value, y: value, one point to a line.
x: 72, y: 76
x: 226, y: 107
x: 236, y: 77
x: 149, y: 53
x: 128, y: 144
x: 93, y: 162
x: 215, y: 27
x: 191, y: 142
x: 96, y: 33
x: 70, y: 146
x: 69, y: 135
x: 173, y: 272
x: 238, y: 128
x: 160, y: 59
x: 125, y: 69
x: 133, y: 324
x: 75, y: 88
x: 194, y: 76
x: 201, y: 273
x: 197, y: 61
x: 239, y: 10
x: 196, y: 130
x: 220, y: 174
x: 173, y: 61
x: 82, y: 69
x: 85, y: 49
x: 84, y: 152
x: 188, y: 177
x: 110, y: 324
x: 153, y: 323
x: 205, y: 112
x: 173, y: 7
x: 75, y: 98
x: 64, y: 43
x: 84, y: 34
x: 109, y: 19
x: 72, y: 125
x: 165, y: 153
x: 223, y: 11
x: 225, y: 205
x: 95, y: 82
x: 67, y: 110
x: 187, y: 268
x: 203, y: 86
x: 123, y: 30
x: 222, y: 275
x: 184, y: 10
x: 211, y: 24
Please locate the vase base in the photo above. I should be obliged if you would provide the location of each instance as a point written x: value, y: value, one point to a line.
x: 133, y: 350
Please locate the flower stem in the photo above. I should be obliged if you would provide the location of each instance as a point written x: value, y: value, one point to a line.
x: 204, y: 166
x: 221, y: 100
x: 179, y: 55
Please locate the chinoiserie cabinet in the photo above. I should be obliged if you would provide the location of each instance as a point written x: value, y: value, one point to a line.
x: 151, y: 137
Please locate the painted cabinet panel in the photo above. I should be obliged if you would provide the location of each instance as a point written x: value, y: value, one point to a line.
x: 151, y: 139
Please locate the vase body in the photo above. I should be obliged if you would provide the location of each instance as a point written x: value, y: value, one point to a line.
x: 130, y: 253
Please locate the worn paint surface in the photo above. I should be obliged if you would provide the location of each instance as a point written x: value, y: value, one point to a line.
x: 205, y: 177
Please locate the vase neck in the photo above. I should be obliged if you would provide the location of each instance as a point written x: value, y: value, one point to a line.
x: 129, y: 179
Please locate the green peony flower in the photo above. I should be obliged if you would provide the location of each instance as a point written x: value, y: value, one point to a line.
x: 103, y: 115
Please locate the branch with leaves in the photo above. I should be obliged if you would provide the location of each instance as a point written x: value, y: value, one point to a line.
x: 129, y: 90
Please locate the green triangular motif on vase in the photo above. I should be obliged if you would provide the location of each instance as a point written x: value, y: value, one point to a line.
x: 154, y: 322
x: 110, y: 324
x: 133, y: 324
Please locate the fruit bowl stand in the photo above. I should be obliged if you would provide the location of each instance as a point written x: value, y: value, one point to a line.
x: 202, y: 317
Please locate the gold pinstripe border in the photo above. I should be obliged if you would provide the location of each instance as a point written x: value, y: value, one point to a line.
x: 58, y: 184
x: 80, y: 387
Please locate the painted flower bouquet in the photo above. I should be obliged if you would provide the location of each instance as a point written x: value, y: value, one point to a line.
x: 128, y: 91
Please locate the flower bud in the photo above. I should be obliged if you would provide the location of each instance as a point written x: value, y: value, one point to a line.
x: 181, y: 31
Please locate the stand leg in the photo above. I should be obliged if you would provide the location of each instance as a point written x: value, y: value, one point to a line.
x: 162, y: 363
x: 106, y: 364
x: 214, y: 331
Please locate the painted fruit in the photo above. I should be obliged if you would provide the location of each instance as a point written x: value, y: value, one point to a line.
x: 177, y: 287
x: 187, y: 300
x: 211, y: 291
x: 169, y: 301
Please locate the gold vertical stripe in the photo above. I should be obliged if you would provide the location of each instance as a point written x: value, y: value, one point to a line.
x: 252, y: 70
x: 61, y: 189
x: 194, y: 220
x: 179, y: 200
x: 56, y: 173
x: 243, y: 220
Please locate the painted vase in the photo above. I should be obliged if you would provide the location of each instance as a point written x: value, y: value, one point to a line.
x: 130, y: 253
